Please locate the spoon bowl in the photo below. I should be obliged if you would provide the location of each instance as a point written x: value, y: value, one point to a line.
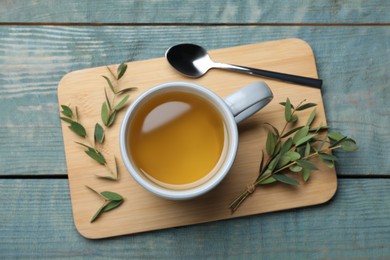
x: 193, y: 61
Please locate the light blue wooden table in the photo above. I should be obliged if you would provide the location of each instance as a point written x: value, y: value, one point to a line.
x: 40, y: 41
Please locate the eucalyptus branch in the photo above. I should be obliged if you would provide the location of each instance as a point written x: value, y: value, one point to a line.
x: 288, y: 154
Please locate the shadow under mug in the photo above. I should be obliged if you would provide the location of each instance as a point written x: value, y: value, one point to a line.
x: 233, y: 109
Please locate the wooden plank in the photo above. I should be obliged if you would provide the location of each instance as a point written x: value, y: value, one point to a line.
x: 176, y: 11
x: 291, y: 56
x: 352, y: 61
x: 36, y: 222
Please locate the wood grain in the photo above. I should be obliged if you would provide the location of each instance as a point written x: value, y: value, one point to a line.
x: 204, y: 12
x: 144, y: 210
x: 36, y: 222
x: 352, y: 61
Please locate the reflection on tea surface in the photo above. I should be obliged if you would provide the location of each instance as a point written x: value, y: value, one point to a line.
x: 177, y: 138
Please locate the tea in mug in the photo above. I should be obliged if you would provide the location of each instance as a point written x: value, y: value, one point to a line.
x: 177, y: 139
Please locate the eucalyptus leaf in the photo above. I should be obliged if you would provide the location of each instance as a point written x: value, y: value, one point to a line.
x: 86, y: 146
x: 287, y: 110
x: 78, y: 129
x: 105, y: 114
x: 328, y: 163
x: 326, y: 156
x: 107, y: 100
x: 284, y: 104
x: 106, y: 177
x: 99, y: 133
x: 125, y: 90
x: 306, y: 106
x: 293, y: 156
x: 335, y: 136
x: 311, y: 117
x: 307, y: 165
x: 304, y: 140
x: 96, y: 155
x: 121, y: 103
x: 268, y: 180
x: 112, y: 205
x: 276, y: 131
x: 307, y: 149
x: 261, y: 163
x: 295, y: 168
x: 273, y: 163
x: 270, y: 143
x: 66, y: 111
x: 109, y: 195
x: 121, y: 70
x: 66, y: 119
x: 306, y: 175
x: 301, y: 134
x: 317, y: 129
x: 291, y: 131
x: 99, y: 212
x: 284, y: 160
x: 285, y: 179
x: 109, y: 84
x: 111, y: 119
x: 294, y: 118
x: 349, y: 145
x: 286, y: 146
x: 338, y: 142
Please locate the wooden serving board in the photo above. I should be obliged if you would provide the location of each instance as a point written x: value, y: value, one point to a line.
x: 143, y: 211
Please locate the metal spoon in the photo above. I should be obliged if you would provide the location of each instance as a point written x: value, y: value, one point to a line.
x: 193, y: 61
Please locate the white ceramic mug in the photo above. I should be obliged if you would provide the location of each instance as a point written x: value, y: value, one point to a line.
x: 233, y: 109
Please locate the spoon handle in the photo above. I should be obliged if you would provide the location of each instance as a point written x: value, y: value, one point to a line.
x: 311, y: 82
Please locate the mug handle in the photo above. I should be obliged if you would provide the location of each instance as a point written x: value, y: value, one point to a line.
x: 248, y: 100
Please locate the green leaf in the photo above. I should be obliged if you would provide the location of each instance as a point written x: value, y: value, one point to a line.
x: 293, y: 156
x: 295, y: 168
x: 291, y: 131
x: 276, y: 131
x: 107, y: 100
x: 109, y: 195
x: 335, y: 136
x: 317, y: 129
x: 328, y: 163
x: 294, y: 118
x: 306, y: 106
x: 121, y: 103
x: 338, y: 142
x: 125, y: 90
x: 86, y: 146
x: 349, y: 145
x: 110, y: 84
x: 307, y: 165
x: 307, y: 149
x: 96, y: 155
x: 271, y: 143
x: 99, y: 133
x: 326, y: 156
x: 98, y: 213
x: 66, y: 111
x: 311, y: 117
x: 269, y: 180
x: 78, y: 129
x: 121, y: 70
x: 285, y: 179
x: 286, y: 146
x: 261, y: 163
x: 273, y: 163
x: 301, y: 134
x: 284, y: 160
x: 306, y: 175
x: 284, y: 104
x: 111, y: 119
x: 287, y: 110
x: 304, y: 139
x: 106, y: 177
x: 68, y: 120
x: 105, y: 114
x: 112, y: 205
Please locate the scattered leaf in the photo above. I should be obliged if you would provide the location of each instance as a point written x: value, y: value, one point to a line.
x: 66, y: 119
x: 121, y: 103
x: 306, y: 106
x: 107, y: 100
x: 99, y: 212
x: 78, y: 129
x: 109, y: 195
x: 105, y: 114
x: 96, y: 155
x: 112, y: 205
x: 111, y: 119
x: 121, y: 70
x: 66, y: 111
x: 110, y: 84
x: 311, y: 117
x: 125, y: 90
x: 99, y: 133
